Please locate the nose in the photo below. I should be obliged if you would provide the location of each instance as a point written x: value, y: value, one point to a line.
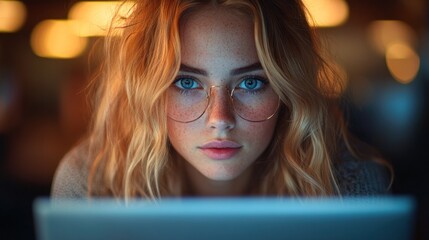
x: 220, y: 114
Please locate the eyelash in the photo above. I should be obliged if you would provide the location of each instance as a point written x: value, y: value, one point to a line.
x: 263, y: 81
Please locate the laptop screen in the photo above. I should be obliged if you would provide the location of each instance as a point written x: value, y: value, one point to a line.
x: 226, y: 218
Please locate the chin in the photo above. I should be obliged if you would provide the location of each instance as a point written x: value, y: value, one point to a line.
x: 222, y: 175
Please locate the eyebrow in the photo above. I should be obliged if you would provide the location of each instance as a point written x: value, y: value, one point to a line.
x: 237, y: 71
x: 249, y: 68
x: 186, y: 68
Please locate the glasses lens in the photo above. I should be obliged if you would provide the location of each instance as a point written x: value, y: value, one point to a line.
x: 255, y: 106
x: 186, y: 105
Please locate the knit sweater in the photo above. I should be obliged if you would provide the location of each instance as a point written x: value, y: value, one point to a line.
x: 355, y: 177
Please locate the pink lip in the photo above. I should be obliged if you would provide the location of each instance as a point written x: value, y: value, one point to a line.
x: 220, y: 150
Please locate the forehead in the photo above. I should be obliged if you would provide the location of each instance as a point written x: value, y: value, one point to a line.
x: 215, y: 15
x: 217, y: 34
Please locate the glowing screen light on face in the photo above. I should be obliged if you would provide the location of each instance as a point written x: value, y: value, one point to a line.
x: 12, y: 15
x: 56, y: 39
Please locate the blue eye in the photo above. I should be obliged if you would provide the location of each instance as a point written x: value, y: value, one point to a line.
x: 186, y: 83
x: 252, y: 83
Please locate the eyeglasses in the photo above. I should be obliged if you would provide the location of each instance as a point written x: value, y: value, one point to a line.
x: 252, y: 99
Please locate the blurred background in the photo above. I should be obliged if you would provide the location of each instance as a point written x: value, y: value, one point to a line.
x: 380, y: 46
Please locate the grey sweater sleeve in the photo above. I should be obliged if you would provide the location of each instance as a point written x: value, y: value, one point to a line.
x: 71, y: 176
x: 362, y: 177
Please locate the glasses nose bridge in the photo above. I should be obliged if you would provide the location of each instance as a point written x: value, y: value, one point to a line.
x: 219, y: 86
x: 212, y: 95
x: 212, y: 90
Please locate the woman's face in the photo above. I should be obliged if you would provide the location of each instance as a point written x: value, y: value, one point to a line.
x: 218, y: 49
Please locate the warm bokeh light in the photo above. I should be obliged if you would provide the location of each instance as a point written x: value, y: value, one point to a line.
x: 327, y: 13
x: 12, y: 15
x: 403, y: 62
x: 384, y: 33
x: 95, y: 17
x: 56, y: 39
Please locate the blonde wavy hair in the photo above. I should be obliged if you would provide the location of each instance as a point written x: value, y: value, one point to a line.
x: 129, y: 147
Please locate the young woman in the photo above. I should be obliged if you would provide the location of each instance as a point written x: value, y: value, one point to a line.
x: 217, y: 98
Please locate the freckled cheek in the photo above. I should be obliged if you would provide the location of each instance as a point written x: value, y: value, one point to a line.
x: 174, y: 131
x: 175, y: 109
x: 179, y: 134
x: 260, y: 134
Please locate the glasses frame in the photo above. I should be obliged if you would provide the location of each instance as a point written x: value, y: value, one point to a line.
x: 208, y: 92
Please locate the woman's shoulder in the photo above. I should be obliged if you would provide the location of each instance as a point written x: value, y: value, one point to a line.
x: 362, y: 177
x: 71, y: 176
